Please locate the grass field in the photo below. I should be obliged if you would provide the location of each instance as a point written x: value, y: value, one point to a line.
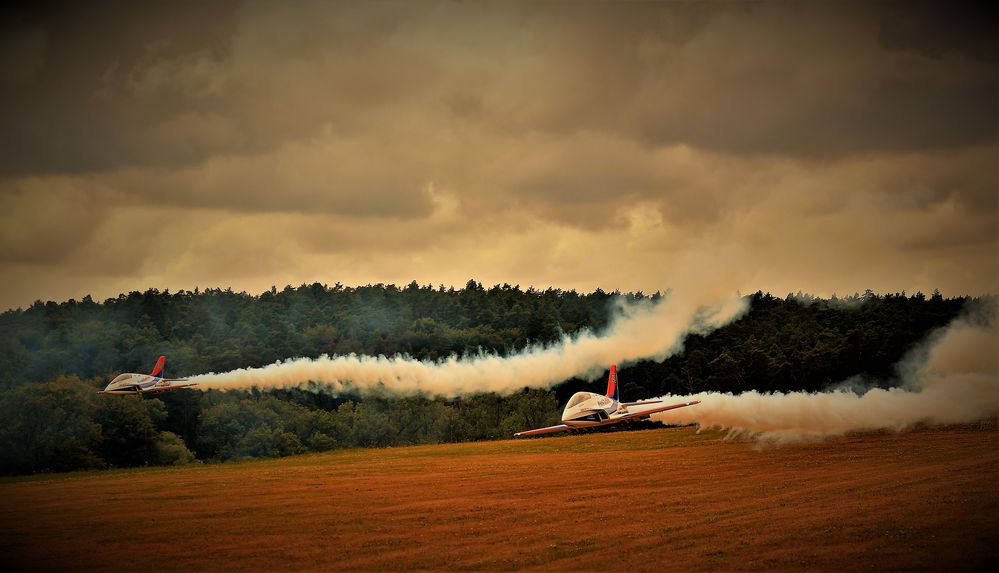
x: 651, y: 500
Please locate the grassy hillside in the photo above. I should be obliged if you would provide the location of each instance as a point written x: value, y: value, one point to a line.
x: 650, y: 500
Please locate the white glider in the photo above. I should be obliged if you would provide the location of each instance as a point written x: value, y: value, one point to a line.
x: 589, y: 410
x: 151, y: 383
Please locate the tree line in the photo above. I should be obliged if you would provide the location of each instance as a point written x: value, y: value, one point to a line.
x: 53, y: 356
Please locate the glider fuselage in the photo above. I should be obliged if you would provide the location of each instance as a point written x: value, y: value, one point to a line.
x: 138, y: 384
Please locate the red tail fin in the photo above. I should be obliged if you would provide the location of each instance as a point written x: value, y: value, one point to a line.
x: 612, y: 389
x: 158, y: 369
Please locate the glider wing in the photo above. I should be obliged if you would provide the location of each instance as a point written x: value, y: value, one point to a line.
x: 644, y: 413
x: 548, y: 430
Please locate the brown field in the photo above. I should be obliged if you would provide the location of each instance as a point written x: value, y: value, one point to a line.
x: 651, y: 500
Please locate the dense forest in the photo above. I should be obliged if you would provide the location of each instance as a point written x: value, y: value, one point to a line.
x: 53, y: 356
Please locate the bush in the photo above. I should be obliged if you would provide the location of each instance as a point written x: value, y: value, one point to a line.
x: 171, y: 450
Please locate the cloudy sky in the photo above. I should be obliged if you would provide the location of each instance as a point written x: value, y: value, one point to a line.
x: 822, y: 147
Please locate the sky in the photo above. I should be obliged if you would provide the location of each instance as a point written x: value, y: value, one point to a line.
x: 733, y: 147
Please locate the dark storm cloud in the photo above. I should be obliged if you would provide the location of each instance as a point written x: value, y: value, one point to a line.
x: 788, y: 78
x: 92, y: 86
x: 799, y: 145
x: 936, y: 29
x: 68, y: 114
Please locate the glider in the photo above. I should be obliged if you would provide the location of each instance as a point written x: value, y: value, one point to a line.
x: 140, y: 384
x: 589, y: 410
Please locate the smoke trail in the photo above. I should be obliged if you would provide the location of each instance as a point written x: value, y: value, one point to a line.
x: 952, y: 378
x: 638, y: 331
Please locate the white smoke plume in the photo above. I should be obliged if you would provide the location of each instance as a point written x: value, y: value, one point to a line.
x: 952, y: 378
x: 639, y: 331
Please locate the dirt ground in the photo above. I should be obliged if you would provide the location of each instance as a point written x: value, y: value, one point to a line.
x: 652, y: 500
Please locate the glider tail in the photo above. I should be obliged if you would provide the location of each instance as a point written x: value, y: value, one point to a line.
x: 612, y: 388
x: 158, y: 369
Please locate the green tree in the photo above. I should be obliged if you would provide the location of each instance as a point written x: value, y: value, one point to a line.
x: 172, y: 451
x: 531, y: 409
x: 129, y: 434
x: 49, y: 427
